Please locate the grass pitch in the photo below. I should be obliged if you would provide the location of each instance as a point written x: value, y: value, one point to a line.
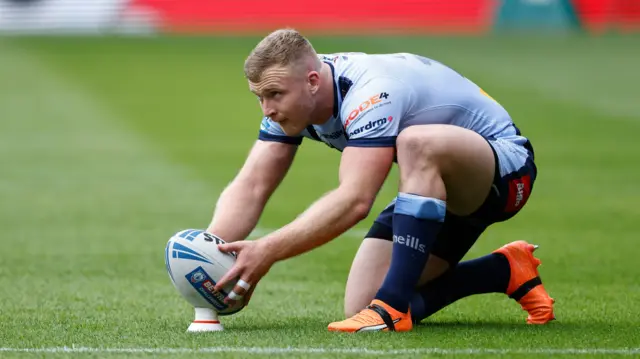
x: 110, y: 145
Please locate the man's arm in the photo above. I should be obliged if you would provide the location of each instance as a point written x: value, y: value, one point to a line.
x: 241, y: 203
x: 363, y: 170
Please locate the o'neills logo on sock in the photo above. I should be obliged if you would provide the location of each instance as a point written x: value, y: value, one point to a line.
x: 410, y: 241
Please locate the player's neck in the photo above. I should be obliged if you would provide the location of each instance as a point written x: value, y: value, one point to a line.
x: 325, y: 105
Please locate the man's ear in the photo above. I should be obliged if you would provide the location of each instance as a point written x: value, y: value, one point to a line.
x: 313, y: 79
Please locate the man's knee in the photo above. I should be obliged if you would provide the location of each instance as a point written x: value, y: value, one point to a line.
x: 419, y: 145
x: 421, y: 156
x: 424, y: 150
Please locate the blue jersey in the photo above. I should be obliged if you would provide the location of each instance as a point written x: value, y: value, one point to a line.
x: 379, y: 95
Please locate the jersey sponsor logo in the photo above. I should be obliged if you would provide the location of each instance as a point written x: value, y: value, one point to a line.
x: 364, y: 106
x: 371, y: 125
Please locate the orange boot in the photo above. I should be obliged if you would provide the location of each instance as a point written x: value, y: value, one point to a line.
x: 525, y: 285
x: 378, y: 316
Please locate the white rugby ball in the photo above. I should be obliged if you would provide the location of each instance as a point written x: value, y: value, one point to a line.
x: 195, y: 265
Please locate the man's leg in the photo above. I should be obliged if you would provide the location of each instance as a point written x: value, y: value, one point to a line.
x: 487, y: 274
x: 370, y: 264
x: 437, y: 163
x: 369, y: 269
x: 440, y: 286
x: 483, y: 275
x: 511, y: 269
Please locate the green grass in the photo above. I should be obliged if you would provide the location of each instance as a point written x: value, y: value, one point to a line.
x: 110, y: 145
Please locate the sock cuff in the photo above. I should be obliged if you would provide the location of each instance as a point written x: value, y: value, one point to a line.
x: 420, y: 207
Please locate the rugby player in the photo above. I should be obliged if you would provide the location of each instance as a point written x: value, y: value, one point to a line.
x: 463, y: 166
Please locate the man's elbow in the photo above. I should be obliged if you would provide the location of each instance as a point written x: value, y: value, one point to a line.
x: 362, y: 207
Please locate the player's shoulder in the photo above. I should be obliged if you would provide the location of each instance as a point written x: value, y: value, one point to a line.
x: 354, y: 63
x: 360, y: 67
x: 341, y: 56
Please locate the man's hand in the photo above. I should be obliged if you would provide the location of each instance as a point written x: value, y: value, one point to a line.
x: 251, y: 265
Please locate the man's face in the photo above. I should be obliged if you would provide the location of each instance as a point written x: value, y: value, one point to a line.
x: 286, y: 97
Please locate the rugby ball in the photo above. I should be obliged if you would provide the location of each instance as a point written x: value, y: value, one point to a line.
x: 195, y: 265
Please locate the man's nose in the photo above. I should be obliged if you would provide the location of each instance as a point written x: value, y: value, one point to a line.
x: 268, y: 111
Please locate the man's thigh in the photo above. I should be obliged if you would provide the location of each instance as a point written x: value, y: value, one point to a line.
x: 452, y: 161
x: 487, y: 180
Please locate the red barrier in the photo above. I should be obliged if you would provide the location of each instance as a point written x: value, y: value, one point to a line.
x: 629, y: 19
x: 599, y: 16
x: 327, y: 16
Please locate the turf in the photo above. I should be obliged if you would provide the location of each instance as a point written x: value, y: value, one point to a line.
x: 110, y: 145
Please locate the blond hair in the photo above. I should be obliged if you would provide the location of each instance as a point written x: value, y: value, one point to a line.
x: 282, y: 47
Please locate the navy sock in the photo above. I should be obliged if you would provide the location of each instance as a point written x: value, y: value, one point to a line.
x: 488, y: 274
x: 416, y: 222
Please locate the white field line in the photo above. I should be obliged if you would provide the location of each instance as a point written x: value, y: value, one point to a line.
x: 320, y: 350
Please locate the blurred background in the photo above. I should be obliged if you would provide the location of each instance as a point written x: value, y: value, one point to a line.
x: 122, y: 120
x: 331, y: 16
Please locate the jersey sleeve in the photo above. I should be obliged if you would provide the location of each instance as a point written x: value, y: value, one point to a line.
x: 372, y: 113
x: 271, y: 131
